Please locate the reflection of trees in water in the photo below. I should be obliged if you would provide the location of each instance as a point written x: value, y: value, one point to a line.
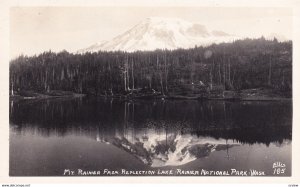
x: 246, y: 122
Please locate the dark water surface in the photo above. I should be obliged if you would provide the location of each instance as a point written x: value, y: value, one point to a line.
x: 88, y: 135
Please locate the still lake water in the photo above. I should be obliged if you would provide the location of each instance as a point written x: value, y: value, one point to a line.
x: 47, y: 137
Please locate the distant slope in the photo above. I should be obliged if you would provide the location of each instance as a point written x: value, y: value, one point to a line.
x: 162, y: 33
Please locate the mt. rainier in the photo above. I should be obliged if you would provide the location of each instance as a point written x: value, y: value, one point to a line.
x: 162, y: 33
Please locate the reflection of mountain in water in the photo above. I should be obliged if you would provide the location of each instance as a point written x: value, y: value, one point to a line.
x: 159, y: 150
x: 159, y: 133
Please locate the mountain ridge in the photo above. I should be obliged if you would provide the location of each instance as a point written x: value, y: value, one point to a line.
x: 162, y: 33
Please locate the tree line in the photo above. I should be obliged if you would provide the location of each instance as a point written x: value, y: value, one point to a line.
x: 242, y: 64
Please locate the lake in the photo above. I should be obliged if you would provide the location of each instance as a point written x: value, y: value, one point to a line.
x: 98, y: 136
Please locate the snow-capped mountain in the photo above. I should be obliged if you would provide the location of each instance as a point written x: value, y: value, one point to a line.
x: 162, y: 33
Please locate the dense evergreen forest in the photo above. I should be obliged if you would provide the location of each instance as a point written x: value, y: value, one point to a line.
x: 243, y: 64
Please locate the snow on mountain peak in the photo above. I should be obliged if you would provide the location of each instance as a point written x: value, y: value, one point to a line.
x: 161, y: 33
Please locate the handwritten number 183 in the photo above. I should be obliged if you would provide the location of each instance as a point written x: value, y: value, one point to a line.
x: 278, y: 171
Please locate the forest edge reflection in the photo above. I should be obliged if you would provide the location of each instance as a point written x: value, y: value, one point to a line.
x: 159, y: 133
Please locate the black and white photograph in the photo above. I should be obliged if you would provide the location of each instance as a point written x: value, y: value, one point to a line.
x: 150, y: 91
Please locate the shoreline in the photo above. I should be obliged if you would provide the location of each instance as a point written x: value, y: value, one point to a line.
x: 233, y: 96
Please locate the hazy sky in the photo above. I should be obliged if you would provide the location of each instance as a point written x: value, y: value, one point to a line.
x: 34, y: 30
